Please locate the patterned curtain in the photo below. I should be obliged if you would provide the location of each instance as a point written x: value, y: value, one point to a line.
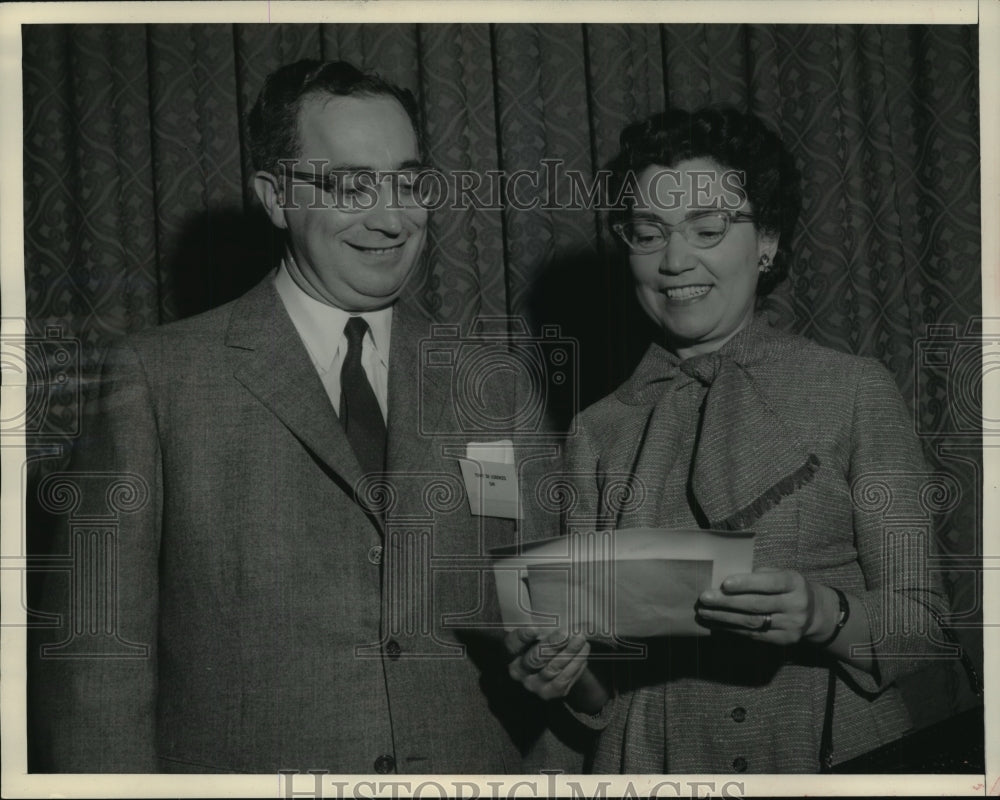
x: 138, y: 211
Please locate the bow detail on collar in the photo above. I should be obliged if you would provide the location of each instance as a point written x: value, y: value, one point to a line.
x: 746, y: 458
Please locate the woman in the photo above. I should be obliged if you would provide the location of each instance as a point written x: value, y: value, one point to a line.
x: 729, y: 424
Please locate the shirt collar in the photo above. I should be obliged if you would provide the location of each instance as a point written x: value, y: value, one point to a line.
x: 321, y: 326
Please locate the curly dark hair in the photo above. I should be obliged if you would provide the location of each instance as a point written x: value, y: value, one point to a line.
x: 273, y: 122
x: 733, y: 140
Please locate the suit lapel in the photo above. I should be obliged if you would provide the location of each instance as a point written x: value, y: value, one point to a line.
x: 417, y: 398
x: 275, y: 367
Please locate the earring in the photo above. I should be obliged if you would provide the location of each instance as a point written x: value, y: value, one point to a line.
x: 764, y: 263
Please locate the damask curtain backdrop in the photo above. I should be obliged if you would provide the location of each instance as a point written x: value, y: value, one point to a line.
x: 138, y: 209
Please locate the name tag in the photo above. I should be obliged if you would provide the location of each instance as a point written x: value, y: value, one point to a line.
x: 490, y: 476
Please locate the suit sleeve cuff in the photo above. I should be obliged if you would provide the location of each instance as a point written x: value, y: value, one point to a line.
x: 598, y: 721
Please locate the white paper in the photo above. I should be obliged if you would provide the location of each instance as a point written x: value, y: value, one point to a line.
x: 632, y: 583
x: 490, y: 476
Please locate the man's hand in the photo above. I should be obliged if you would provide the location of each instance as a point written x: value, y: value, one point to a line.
x: 546, y: 667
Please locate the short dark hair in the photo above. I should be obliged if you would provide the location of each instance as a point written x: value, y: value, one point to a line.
x: 733, y: 140
x: 273, y: 123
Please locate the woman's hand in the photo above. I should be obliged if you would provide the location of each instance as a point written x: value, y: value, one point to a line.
x: 777, y: 606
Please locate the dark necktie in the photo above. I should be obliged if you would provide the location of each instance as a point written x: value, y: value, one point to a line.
x: 359, y: 410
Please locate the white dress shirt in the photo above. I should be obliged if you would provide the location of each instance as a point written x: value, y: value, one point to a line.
x: 321, y: 328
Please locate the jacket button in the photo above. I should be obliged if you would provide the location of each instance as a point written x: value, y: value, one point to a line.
x: 385, y: 764
x: 738, y: 714
x: 740, y: 764
x: 375, y: 555
x: 392, y: 649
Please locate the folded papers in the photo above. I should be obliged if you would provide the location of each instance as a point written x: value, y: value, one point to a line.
x: 630, y: 583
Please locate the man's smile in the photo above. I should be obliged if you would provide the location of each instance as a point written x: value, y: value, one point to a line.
x: 376, y: 250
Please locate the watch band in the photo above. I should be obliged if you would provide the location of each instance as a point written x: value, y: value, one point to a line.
x: 845, y: 614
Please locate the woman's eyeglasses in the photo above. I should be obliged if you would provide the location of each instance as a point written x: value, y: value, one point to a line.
x: 702, y: 230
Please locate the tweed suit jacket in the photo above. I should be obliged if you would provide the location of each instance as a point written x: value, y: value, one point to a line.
x: 288, y: 624
x: 724, y: 704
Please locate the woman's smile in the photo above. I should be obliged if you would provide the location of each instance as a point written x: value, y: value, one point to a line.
x: 685, y: 295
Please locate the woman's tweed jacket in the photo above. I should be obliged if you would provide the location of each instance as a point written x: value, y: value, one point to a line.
x: 728, y: 704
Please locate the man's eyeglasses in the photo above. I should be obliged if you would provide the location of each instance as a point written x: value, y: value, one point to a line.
x: 702, y: 230
x: 357, y: 191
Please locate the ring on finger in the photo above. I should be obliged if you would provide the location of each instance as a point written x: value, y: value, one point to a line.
x: 765, y: 624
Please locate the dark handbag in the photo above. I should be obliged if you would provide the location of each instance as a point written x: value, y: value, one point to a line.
x: 954, y: 746
x: 951, y: 747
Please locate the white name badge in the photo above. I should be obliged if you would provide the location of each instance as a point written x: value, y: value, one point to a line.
x: 490, y: 476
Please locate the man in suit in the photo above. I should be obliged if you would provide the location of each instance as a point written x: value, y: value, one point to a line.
x: 273, y: 608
